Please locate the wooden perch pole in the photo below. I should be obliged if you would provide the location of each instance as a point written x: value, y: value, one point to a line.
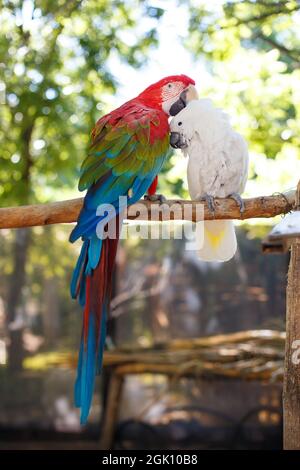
x: 67, y: 211
x: 291, y: 387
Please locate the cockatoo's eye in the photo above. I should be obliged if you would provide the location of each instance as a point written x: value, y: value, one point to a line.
x: 180, y: 123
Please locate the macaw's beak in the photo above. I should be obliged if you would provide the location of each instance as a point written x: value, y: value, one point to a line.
x: 189, y: 94
x: 179, y: 104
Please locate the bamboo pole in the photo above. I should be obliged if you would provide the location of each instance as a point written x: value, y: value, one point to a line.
x: 67, y: 211
x: 254, y: 369
x: 258, y: 336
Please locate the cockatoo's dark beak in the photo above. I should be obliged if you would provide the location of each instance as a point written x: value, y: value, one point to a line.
x: 177, y: 141
x: 174, y: 139
x: 179, y: 104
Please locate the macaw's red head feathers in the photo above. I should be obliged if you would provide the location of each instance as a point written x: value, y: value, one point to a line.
x: 166, y: 92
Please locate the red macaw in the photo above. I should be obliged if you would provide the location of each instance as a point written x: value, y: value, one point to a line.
x: 129, y: 146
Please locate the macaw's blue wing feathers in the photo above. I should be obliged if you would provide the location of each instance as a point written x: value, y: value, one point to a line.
x: 94, y: 253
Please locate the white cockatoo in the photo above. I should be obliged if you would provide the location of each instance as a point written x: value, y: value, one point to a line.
x: 217, y: 167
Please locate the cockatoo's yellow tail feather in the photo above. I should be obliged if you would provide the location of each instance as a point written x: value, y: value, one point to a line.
x: 214, y: 238
x: 218, y: 242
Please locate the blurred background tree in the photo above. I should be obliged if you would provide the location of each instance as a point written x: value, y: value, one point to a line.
x: 54, y: 81
x: 252, y: 49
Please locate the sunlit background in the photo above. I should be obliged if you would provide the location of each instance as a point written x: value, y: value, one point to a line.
x: 62, y: 65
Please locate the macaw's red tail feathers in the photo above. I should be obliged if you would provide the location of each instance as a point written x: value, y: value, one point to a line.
x: 97, y: 284
x: 153, y: 186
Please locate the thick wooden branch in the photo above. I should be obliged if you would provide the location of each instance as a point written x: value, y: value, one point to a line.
x: 67, y: 211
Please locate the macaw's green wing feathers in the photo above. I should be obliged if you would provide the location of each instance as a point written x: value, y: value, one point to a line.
x: 127, y: 151
x: 128, y: 146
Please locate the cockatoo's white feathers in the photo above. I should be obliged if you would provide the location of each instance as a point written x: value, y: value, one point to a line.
x: 218, y: 156
x: 217, y: 166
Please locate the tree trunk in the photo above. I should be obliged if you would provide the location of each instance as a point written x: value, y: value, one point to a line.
x: 17, y: 281
x: 51, y: 311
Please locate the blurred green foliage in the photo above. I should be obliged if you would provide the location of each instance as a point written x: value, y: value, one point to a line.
x: 54, y: 80
x: 252, y: 50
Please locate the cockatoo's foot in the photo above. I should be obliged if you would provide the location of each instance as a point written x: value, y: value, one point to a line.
x: 155, y: 198
x: 210, y: 200
x: 238, y: 200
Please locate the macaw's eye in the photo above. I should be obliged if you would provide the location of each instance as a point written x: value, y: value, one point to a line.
x: 169, y: 85
x: 180, y: 123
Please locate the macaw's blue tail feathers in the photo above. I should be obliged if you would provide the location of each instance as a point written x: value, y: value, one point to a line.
x: 86, y: 371
x: 91, y: 282
x: 79, y: 271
